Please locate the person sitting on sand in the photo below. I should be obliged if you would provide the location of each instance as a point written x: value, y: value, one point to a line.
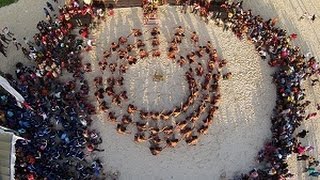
x: 111, y: 117
x: 171, y: 55
x: 192, y: 140
x: 122, y: 129
x: 123, y: 95
x: 155, y: 31
x: 179, y: 31
x: 140, y: 137
x: 172, y: 142
x: 122, y: 53
x: 143, y: 53
x: 203, y: 129
x: 177, y: 39
x: 199, y: 70
x: 103, y: 106
x: 142, y: 126
x: 107, y: 54
x: 136, y: 32
x: 155, y: 41
x: 140, y: 43
x: 131, y: 60
x: 156, y: 53
x: 131, y: 109
x: 191, y: 57
x: 182, y: 61
x: 155, y: 149
x: 122, y: 40
x: 112, y: 67
x: 114, y: 46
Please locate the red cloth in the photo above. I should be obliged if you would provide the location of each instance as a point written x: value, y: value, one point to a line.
x: 31, y: 177
x: 110, y: 12
x: 90, y: 147
x: 293, y: 36
x: 301, y: 149
x: 284, y: 54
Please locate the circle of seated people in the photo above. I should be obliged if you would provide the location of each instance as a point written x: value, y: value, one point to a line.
x: 184, y: 122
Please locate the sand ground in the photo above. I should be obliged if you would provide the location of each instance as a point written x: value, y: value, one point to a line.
x: 243, y: 123
x: 240, y: 128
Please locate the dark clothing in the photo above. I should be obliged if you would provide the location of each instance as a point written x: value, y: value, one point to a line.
x: 50, y: 6
x: 46, y: 12
x: 4, y: 39
x: 2, y: 50
x: 302, y: 157
x: 302, y: 134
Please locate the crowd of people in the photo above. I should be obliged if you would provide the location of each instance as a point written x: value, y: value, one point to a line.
x: 164, y: 128
x: 5, y: 37
x: 150, y: 10
x: 55, y: 125
x: 275, y: 44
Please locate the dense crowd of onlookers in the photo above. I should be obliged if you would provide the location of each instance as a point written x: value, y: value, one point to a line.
x: 274, y: 44
x: 55, y: 125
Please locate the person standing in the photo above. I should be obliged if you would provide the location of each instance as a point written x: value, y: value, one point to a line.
x: 27, y: 42
x: 7, y: 32
x: 304, y: 15
x: 16, y: 43
x: 302, y: 134
x: 4, y: 39
x: 49, y: 5
x: 2, y: 49
x: 184, y: 7
x: 47, y: 14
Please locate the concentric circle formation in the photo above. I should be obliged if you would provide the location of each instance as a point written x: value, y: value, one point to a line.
x: 156, y: 84
x: 162, y: 92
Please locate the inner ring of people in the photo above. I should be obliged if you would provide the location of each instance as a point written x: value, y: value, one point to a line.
x: 199, y: 72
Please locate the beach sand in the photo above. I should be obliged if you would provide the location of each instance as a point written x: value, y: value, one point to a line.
x: 242, y: 124
x: 240, y: 128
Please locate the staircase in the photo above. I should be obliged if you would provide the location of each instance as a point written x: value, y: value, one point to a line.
x: 5, y: 155
x: 153, y: 21
x: 120, y: 4
x: 123, y: 3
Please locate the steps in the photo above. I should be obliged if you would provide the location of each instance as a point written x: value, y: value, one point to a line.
x: 5, y: 155
x: 121, y: 3
x: 124, y: 3
x: 5, y: 137
x: 154, y: 21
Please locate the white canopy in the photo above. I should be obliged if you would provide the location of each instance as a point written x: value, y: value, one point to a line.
x: 6, y: 85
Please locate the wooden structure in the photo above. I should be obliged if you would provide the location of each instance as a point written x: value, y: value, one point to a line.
x: 124, y: 3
